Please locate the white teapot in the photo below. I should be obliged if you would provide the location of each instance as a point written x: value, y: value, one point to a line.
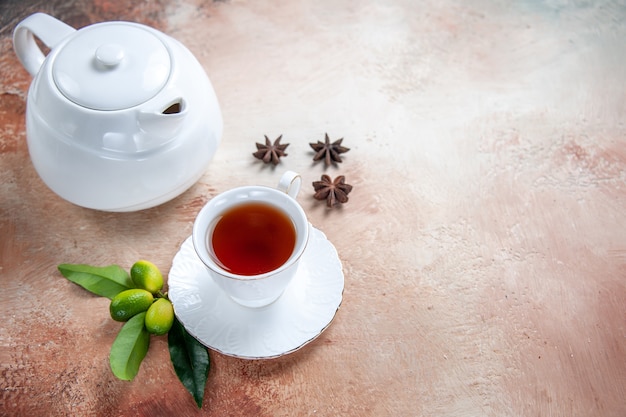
x: 119, y: 116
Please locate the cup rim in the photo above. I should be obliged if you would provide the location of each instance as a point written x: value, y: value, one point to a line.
x: 200, y: 228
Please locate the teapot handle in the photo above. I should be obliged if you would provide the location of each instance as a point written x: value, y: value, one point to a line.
x: 49, y: 30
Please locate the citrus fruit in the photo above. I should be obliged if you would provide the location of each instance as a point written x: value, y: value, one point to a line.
x: 160, y: 316
x: 146, y: 275
x: 129, y: 303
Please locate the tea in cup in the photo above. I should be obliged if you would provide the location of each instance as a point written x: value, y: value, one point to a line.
x: 251, y: 240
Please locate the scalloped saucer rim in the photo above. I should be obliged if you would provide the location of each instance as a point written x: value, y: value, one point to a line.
x: 306, y: 308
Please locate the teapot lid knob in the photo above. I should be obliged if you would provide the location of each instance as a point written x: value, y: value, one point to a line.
x: 109, y: 54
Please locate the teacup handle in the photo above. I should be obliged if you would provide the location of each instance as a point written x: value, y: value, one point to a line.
x: 51, y: 31
x: 290, y: 183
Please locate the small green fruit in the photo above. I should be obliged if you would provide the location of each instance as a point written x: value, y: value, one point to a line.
x: 160, y: 317
x: 129, y: 303
x: 146, y: 275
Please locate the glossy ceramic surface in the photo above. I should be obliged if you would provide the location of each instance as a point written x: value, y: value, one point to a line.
x: 304, y: 310
x: 262, y: 289
x: 120, y: 116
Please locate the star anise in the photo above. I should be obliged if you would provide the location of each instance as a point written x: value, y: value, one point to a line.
x: 334, y: 192
x: 270, y: 152
x: 328, y: 151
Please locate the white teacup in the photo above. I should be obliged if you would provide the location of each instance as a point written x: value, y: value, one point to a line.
x: 252, y: 290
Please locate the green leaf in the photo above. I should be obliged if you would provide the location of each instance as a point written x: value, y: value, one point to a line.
x: 129, y: 348
x: 106, y: 281
x: 190, y: 359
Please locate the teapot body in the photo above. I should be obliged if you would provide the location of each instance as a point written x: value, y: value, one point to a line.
x: 130, y: 157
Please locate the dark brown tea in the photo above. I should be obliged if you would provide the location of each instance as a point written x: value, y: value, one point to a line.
x: 253, y: 238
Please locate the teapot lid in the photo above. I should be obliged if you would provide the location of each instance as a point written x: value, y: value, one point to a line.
x: 112, y: 66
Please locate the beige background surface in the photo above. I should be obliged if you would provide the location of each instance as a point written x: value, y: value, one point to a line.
x: 483, y: 246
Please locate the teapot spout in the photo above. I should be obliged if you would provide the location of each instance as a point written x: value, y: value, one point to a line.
x: 162, y: 124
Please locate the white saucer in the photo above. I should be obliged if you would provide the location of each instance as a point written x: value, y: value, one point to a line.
x: 302, y: 313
